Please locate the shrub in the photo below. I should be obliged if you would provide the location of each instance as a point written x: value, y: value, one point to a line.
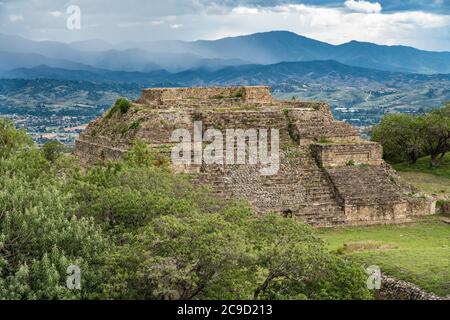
x: 324, y: 140
x: 121, y: 104
x: 443, y: 206
x: 12, y: 139
x: 53, y: 150
x: 134, y: 125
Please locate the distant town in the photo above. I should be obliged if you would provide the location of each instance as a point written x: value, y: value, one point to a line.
x: 64, y: 129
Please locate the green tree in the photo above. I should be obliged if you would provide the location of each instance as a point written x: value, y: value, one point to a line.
x: 40, y: 234
x: 230, y: 255
x: 400, y: 137
x: 12, y: 139
x: 53, y: 150
x: 435, y: 131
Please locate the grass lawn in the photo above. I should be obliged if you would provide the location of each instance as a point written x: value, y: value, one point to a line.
x: 418, y: 252
x: 436, y: 186
x: 434, y: 181
x: 423, y: 165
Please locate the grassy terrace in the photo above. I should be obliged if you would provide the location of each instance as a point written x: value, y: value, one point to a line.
x: 418, y: 252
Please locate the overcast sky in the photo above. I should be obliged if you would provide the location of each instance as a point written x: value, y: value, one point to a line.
x: 420, y: 23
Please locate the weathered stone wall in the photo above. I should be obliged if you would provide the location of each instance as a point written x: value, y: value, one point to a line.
x: 342, y: 154
x: 300, y: 189
x: 90, y: 153
x: 314, y: 124
x: 370, y: 195
x: 247, y: 119
x: 246, y: 94
x: 394, y: 289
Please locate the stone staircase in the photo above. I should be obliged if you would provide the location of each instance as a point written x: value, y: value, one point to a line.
x: 369, y: 184
x: 300, y: 189
x: 313, y: 125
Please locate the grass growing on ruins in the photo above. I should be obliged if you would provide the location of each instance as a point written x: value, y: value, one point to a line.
x: 418, y: 252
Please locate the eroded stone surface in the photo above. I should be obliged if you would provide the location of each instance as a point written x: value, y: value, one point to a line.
x: 395, y: 289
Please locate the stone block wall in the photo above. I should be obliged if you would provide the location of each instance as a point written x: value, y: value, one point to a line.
x: 395, y: 289
x: 90, y: 153
x: 342, y: 154
x: 300, y: 189
x: 314, y: 124
x: 259, y: 94
x: 371, y: 195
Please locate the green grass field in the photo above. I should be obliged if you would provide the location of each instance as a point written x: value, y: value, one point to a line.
x: 418, y: 252
x: 423, y: 166
x: 431, y: 184
x: 434, y: 181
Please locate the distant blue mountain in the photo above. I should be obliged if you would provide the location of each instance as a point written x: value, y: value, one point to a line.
x: 30, y: 54
x: 279, y: 46
x: 13, y: 60
x: 260, y: 48
x: 93, y: 75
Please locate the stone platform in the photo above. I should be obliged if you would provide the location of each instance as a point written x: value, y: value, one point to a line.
x: 328, y: 176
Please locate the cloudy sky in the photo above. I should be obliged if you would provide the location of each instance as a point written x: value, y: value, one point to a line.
x: 420, y: 23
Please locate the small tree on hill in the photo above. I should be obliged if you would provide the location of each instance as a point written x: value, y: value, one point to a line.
x: 400, y: 137
x: 434, y: 129
x: 53, y: 149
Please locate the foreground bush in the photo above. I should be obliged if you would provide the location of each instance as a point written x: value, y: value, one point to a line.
x: 138, y: 231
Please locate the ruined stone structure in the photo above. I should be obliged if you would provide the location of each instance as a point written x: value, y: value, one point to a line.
x: 395, y: 289
x: 328, y: 176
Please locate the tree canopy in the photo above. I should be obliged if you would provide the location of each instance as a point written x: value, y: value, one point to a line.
x: 409, y: 137
x: 136, y: 230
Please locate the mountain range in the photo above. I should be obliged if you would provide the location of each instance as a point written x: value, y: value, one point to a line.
x: 339, y: 84
x: 361, y: 81
x: 329, y: 72
x: 176, y: 56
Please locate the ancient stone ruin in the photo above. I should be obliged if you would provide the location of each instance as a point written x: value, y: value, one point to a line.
x: 328, y: 175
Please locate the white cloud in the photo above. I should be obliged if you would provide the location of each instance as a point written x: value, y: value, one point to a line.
x: 156, y: 22
x: 245, y: 10
x: 201, y: 19
x: 55, y: 13
x: 363, y: 6
x: 333, y: 24
x: 15, y: 17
